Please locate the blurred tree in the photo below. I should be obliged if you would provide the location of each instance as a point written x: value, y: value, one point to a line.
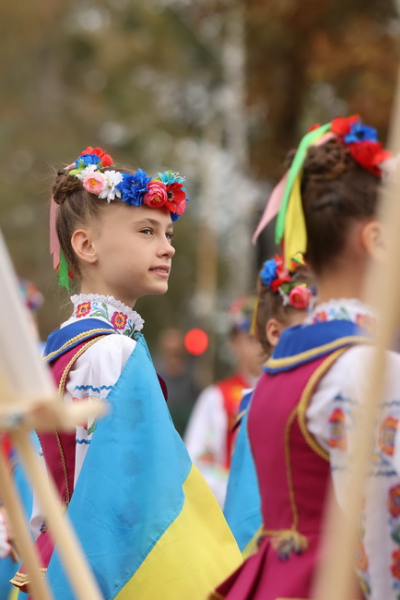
x: 148, y: 80
x: 309, y: 61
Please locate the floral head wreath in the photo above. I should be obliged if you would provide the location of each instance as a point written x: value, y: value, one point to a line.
x: 241, y: 311
x: 92, y: 167
x: 285, y: 201
x: 275, y: 276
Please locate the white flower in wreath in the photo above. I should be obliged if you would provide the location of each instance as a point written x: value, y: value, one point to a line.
x: 110, y: 192
x: 86, y: 171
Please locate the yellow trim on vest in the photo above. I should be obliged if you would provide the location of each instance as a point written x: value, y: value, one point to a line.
x: 289, y: 474
x: 275, y: 363
x: 74, y: 340
x: 306, y: 398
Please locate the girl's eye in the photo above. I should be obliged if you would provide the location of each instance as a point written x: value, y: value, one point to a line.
x: 169, y: 236
x: 146, y: 231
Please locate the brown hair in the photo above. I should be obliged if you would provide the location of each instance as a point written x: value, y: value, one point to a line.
x: 270, y: 306
x: 76, y: 207
x: 336, y: 191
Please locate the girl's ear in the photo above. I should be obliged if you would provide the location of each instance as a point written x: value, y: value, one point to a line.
x: 373, y: 241
x: 83, y: 246
x: 273, y: 330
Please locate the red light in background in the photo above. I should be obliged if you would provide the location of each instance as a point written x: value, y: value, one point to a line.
x: 196, y: 341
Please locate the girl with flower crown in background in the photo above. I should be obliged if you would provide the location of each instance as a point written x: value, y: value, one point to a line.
x: 283, y: 299
x: 147, y: 521
x: 302, y: 436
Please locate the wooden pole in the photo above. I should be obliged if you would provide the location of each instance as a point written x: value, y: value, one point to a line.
x: 37, y: 586
x: 81, y: 578
x: 334, y: 580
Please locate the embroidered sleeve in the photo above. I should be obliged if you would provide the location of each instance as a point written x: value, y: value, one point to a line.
x: 205, y: 439
x: 333, y: 415
x: 92, y: 378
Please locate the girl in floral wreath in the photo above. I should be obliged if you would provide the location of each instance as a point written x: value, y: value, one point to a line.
x: 301, y: 418
x: 148, y: 523
x: 283, y: 299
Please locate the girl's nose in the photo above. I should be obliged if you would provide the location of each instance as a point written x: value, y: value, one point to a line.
x: 167, y: 249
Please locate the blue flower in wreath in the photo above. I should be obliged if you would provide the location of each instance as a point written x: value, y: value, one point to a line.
x: 361, y: 133
x: 171, y: 177
x: 86, y: 160
x: 133, y: 187
x: 269, y: 272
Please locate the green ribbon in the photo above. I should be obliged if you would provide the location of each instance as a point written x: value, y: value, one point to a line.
x: 63, y: 279
x: 294, y: 170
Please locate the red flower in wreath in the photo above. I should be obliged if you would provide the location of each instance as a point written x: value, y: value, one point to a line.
x: 369, y: 155
x: 395, y: 568
x: 282, y: 274
x: 106, y: 159
x: 83, y: 309
x: 176, y: 202
x: 118, y: 320
x: 394, y: 501
x: 342, y: 125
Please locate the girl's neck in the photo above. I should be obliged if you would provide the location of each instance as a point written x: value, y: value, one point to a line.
x: 87, y: 288
x: 341, y: 283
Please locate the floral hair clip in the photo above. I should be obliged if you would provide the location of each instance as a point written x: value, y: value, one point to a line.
x: 277, y: 278
x: 134, y: 189
x: 285, y: 201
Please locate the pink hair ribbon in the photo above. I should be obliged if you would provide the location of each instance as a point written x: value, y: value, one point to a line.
x: 274, y: 204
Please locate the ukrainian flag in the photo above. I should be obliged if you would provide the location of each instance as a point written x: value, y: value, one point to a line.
x: 147, y: 521
x: 243, y: 503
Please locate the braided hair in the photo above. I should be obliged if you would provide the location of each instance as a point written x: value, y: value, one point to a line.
x: 336, y: 192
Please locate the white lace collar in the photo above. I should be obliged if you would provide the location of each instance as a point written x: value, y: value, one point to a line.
x: 122, y: 318
x: 345, y: 309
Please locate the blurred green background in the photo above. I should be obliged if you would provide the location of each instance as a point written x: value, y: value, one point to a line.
x: 217, y: 90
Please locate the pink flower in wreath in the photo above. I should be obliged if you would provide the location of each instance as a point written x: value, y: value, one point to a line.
x: 83, y: 309
x: 95, y: 183
x: 156, y: 195
x: 300, y: 297
x: 394, y: 501
x: 118, y: 320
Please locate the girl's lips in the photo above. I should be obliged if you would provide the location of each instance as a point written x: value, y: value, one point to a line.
x: 162, y: 272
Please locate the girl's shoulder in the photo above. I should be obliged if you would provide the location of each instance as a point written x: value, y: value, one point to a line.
x: 103, y: 362
x: 113, y: 347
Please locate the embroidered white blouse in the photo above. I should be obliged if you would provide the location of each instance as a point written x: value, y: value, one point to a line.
x: 330, y: 418
x: 96, y: 372
x: 98, y: 369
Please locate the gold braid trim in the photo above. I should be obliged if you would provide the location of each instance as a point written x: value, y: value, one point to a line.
x: 64, y: 377
x: 61, y: 390
x: 306, y: 398
x: 289, y: 474
x: 275, y: 363
x: 73, y: 340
